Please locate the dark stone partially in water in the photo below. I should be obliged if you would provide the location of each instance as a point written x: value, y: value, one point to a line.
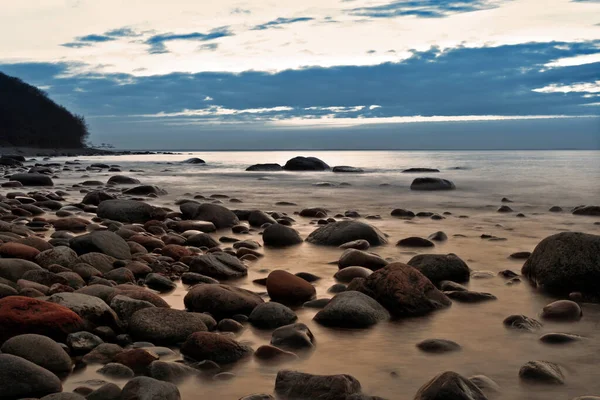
x: 449, y: 385
x: 144, y: 388
x: 522, y: 322
x: 592, y: 211
x: 559, y: 338
x: 214, y: 347
x: 415, y: 241
x: 305, y: 164
x: 288, y: 288
x: 359, y: 258
x: 271, y: 315
x: 338, y: 233
x: 352, y: 309
x: 470, y: 296
x: 295, y: 336
x: 278, y: 235
x: 432, y: 184
x: 164, y: 325
x: 220, y: 216
x: 402, y: 290
x: 221, y: 301
x: 542, y: 372
x: 302, y: 386
x: 265, y: 167
x: 420, y: 170
x: 438, y: 346
x: 348, y: 169
x: 32, y: 179
x: 440, y: 267
x: 194, y: 160
x: 218, y: 265
x: 129, y: 211
x: 562, y: 310
x: 566, y: 262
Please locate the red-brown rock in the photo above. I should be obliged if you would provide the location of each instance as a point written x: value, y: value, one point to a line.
x: 286, y: 288
x: 20, y: 315
x: 137, y: 359
x: 175, y: 251
x: 18, y: 250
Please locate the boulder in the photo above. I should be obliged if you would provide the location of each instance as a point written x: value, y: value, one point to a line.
x: 104, y: 242
x: 87, y: 307
x: 40, y: 350
x: 18, y: 250
x: 171, y: 371
x: 129, y: 211
x: 122, y: 180
x: 21, y: 315
x: 60, y: 255
x: 202, y: 240
x: 440, y: 267
x: 593, y: 211
x: 352, y: 309
x: 145, y: 190
x: 347, y: 274
x: 402, y: 290
x: 218, y: 265
x: 348, y: 169
x: 449, y: 385
x: 20, y: 379
x: 278, y: 235
x: 165, y: 325
x: 221, y: 301
x: 125, y: 306
x: 522, y: 322
x: 271, y: 315
x: 258, y: 218
x: 432, y: 184
x: 301, y: 386
x: 438, y: 346
x: 289, y: 289
x: 305, y: 164
x: 566, y: 262
x: 194, y: 160
x: 338, y: 233
x: 32, y: 179
x: 265, y: 167
x: 562, y: 310
x: 415, y: 241
x: 13, y: 269
x: 542, y: 372
x: 420, y: 170
x: 220, y: 216
x: 144, y: 388
x: 214, y: 347
x: 353, y: 257
x: 295, y: 336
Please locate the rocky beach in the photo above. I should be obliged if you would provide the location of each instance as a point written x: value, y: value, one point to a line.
x: 339, y: 275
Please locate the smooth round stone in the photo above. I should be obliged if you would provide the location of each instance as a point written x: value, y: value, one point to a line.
x: 542, y: 372
x: 271, y: 315
x: 347, y: 274
x: 559, y: 338
x: 438, y: 346
x: 562, y: 310
x: 116, y: 371
x: 40, y: 350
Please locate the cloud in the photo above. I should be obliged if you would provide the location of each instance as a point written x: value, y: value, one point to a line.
x: 109, y: 36
x: 276, y: 23
x: 239, y: 10
x: 209, y: 46
x: 76, y: 45
x: 122, y: 32
x: 157, y: 42
x: 425, y: 8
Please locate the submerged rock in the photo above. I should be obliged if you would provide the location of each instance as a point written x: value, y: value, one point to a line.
x: 352, y: 309
x: 562, y: 310
x: 289, y: 289
x: 214, y: 347
x: 144, y: 388
x: 338, y: 233
x: 542, y: 372
x: 221, y: 301
x: 438, y: 346
x: 265, y: 167
x: 305, y: 164
x: 522, y: 322
x: 449, y: 385
x: 302, y: 386
x: 439, y: 267
x: 432, y: 184
x: 220, y: 216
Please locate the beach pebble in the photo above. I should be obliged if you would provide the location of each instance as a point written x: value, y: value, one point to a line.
x: 449, y: 385
x: 303, y: 386
x: 214, y: 347
x: 562, y: 310
x: 145, y: 388
x: 542, y: 372
x: 439, y: 267
x: 351, y: 309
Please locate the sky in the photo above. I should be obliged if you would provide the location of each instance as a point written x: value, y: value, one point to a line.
x: 316, y: 74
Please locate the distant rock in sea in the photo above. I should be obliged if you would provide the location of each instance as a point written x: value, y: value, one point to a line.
x: 306, y: 164
x: 432, y: 184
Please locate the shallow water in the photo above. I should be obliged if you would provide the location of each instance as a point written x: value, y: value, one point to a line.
x: 534, y: 180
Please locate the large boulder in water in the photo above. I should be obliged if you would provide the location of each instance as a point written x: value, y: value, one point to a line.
x: 104, y: 242
x: 21, y: 315
x: 194, y: 160
x: 432, y: 184
x: 287, y: 288
x: 40, y: 350
x: 219, y: 265
x: 221, y: 301
x: 402, y: 290
x: 20, y: 379
x: 220, y: 216
x: 348, y: 169
x: 129, y: 211
x: 338, y: 233
x: 278, y: 235
x: 352, y: 309
x: 265, y: 167
x: 122, y: 180
x: 440, y: 267
x: 32, y: 179
x: 96, y: 197
x: 449, y: 385
x: 593, y: 211
x: 305, y: 164
x: 302, y: 386
x: 566, y: 262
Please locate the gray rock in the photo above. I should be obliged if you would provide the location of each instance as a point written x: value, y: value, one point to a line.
x: 305, y: 164
x: 202, y: 240
x: 438, y: 346
x: 485, y: 384
x: 542, y: 372
x: 40, y: 350
x: 87, y: 307
x: 171, y: 371
x: 432, y: 184
x: 13, y: 269
x: 129, y: 211
x: 104, y: 242
x: 469, y: 296
x: 220, y: 216
x: 522, y: 322
x: 145, y: 190
x: 20, y: 379
x: 165, y: 325
x: 338, y: 233
x: 439, y: 267
x: 221, y: 301
x: 108, y: 391
x: 562, y: 310
x: 294, y: 336
x: 159, y: 283
x: 587, y: 210
x: 122, y: 180
x: 214, y: 347
x: 60, y: 255
x: 271, y: 315
x: 347, y: 274
x: 63, y: 396
x: 83, y: 342
x: 192, y: 278
x: 278, y: 235
x: 302, y: 386
x: 353, y: 257
x: 144, y: 388
x: 566, y: 262
x: 449, y: 385
x: 218, y: 265
x: 352, y: 309
x: 360, y: 244
x: 116, y: 371
x: 32, y: 179
x: 258, y: 218
x: 265, y: 167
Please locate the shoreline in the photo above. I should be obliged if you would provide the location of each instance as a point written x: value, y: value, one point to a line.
x: 77, y: 152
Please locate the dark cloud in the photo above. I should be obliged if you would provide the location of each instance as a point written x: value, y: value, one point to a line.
x: 122, y: 32
x: 90, y: 40
x: 208, y: 47
x: 276, y: 23
x: 238, y: 10
x: 425, y: 8
x: 157, y: 42
x: 76, y: 45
